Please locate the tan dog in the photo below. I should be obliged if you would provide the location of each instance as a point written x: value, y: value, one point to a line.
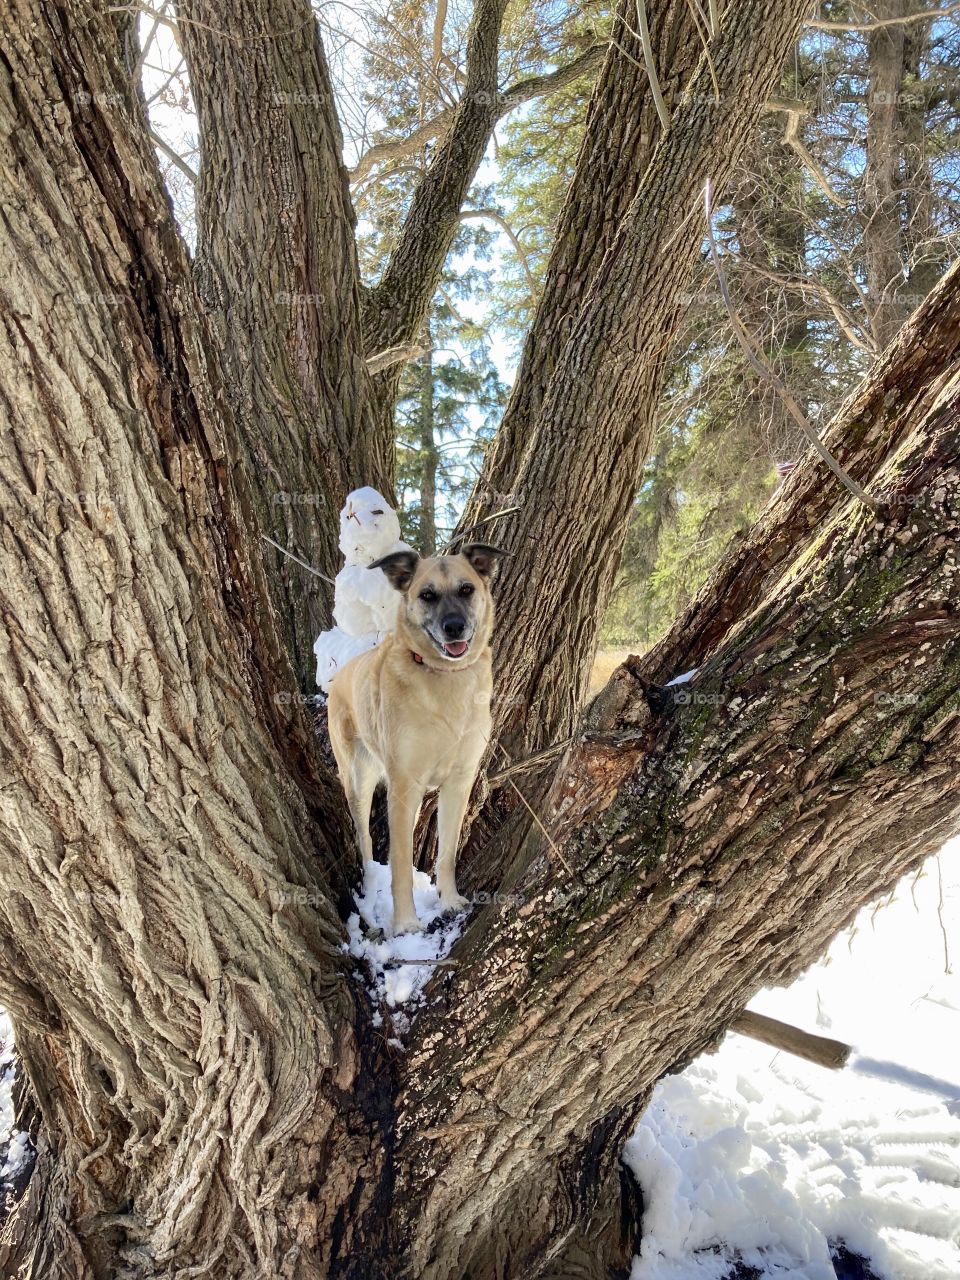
x: 415, y: 712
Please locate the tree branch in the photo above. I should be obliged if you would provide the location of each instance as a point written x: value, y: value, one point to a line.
x: 491, y: 215
x: 277, y: 267
x: 522, y: 92
x: 922, y: 15
x: 807, y: 766
x: 395, y: 307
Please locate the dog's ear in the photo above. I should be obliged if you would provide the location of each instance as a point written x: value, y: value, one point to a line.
x: 399, y: 567
x: 482, y: 557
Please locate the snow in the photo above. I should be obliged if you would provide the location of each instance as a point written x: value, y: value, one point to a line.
x: 365, y: 604
x: 682, y: 679
x: 13, y: 1143
x: 756, y: 1156
x: 398, y: 968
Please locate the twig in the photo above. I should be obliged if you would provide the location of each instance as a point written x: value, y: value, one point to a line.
x: 512, y: 236
x: 172, y: 156
x: 943, y: 929
x: 528, y: 762
x: 651, y: 69
x: 922, y: 15
x: 780, y: 1035
x: 546, y: 834
x: 459, y: 537
x: 302, y: 563
x: 395, y: 355
x: 768, y: 375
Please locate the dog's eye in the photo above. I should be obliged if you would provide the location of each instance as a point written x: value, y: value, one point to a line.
x: 376, y: 513
x: 428, y: 596
x: 465, y: 589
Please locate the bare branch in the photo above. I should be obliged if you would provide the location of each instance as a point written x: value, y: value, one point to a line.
x: 651, y: 66
x: 518, y: 94
x: 395, y: 308
x: 438, y: 25
x: 395, y: 355
x: 492, y: 216
x: 924, y: 15
x: 176, y: 160
x: 539, y: 86
x: 794, y: 112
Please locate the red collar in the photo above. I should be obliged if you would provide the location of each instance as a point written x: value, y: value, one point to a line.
x: 437, y: 671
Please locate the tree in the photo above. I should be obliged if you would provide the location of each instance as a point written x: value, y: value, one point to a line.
x: 214, y: 1095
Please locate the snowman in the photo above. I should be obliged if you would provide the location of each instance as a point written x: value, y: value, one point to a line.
x: 365, y: 605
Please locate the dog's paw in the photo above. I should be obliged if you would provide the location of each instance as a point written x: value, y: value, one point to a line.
x: 407, y: 924
x: 452, y: 903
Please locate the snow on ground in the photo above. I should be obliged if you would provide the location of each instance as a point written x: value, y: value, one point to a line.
x: 756, y: 1156
x: 396, y: 969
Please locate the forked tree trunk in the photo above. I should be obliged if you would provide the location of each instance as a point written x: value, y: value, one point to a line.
x: 216, y: 1096
x: 277, y: 272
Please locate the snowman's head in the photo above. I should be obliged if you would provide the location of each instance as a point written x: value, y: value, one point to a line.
x: 368, y: 527
x: 447, y: 611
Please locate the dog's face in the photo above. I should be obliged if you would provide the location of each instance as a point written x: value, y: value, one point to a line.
x: 446, y: 598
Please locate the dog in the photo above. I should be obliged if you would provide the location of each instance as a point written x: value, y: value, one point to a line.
x: 415, y: 712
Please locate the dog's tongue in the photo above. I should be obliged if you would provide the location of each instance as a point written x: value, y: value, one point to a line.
x: 455, y: 648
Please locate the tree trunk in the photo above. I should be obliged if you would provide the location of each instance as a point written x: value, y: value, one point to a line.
x: 429, y: 457
x: 216, y: 1095
x: 701, y: 845
x: 173, y: 965
x: 277, y: 270
x: 620, y: 137
x: 594, y: 425
x: 882, y: 231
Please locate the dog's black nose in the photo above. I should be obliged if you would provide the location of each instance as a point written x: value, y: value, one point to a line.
x: 453, y: 626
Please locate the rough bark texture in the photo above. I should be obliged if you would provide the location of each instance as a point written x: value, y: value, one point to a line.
x: 172, y: 959
x: 594, y: 426
x: 813, y: 756
x: 215, y: 1097
x: 881, y: 232
x: 621, y: 133
x: 277, y: 270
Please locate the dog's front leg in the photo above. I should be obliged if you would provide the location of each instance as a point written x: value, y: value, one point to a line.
x: 404, y: 797
x: 451, y: 807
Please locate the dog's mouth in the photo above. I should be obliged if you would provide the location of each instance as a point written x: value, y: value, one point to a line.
x: 452, y: 649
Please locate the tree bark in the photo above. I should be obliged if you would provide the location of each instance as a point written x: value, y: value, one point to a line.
x: 277, y: 270
x: 173, y: 966
x: 594, y: 426
x: 699, y: 848
x: 621, y: 134
x: 882, y: 230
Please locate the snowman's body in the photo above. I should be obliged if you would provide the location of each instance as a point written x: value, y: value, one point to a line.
x: 365, y: 605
